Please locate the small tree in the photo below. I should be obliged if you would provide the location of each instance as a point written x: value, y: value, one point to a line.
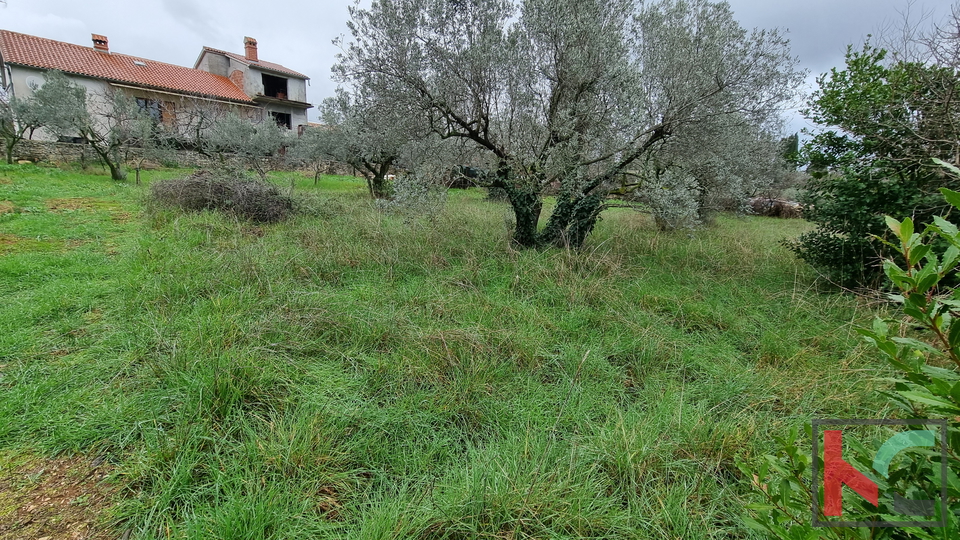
x: 367, y: 132
x: 19, y: 118
x: 573, y: 93
x: 706, y: 168
x: 310, y: 150
x: 249, y: 142
x: 191, y: 121
x: 107, y: 122
x: 155, y: 143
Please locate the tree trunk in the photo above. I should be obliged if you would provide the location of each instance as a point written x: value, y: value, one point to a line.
x: 379, y: 188
x: 369, y: 179
x: 106, y: 155
x: 572, y: 220
x: 10, y: 145
x: 116, y: 170
x: 527, y: 206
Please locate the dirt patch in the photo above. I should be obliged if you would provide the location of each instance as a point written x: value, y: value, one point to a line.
x: 7, y: 207
x: 11, y: 243
x: 63, y: 498
x: 121, y: 217
x: 89, y: 204
x: 5, y: 180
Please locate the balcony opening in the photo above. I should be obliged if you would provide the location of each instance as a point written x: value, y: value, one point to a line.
x: 275, y: 87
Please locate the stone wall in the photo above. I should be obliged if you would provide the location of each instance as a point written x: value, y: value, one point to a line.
x: 60, y: 152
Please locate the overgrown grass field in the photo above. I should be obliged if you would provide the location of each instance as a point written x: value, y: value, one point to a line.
x: 355, y: 374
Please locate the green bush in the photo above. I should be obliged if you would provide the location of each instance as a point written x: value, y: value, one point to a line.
x: 885, y: 122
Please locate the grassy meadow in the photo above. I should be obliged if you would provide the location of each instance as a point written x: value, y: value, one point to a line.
x: 360, y: 375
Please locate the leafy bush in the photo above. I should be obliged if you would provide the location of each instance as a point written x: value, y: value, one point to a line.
x: 927, y: 385
x: 249, y: 199
x: 673, y: 200
x: 885, y: 119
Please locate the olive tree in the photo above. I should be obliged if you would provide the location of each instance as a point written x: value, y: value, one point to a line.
x: 108, y: 122
x: 712, y: 166
x: 156, y: 143
x: 250, y: 142
x: 19, y: 118
x: 311, y: 150
x: 364, y: 131
x: 572, y: 93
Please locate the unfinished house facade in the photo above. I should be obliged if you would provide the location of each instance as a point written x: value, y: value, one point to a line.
x: 280, y: 92
x: 182, y: 98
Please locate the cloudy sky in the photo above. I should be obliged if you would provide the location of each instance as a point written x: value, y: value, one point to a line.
x: 299, y: 33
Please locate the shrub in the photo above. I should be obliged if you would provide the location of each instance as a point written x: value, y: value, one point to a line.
x: 673, y: 200
x: 249, y: 199
x: 883, y: 121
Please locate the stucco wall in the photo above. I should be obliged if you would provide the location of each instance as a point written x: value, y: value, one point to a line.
x: 97, y: 91
x: 21, y: 89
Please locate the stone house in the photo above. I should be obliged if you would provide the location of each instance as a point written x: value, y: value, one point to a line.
x: 178, y: 97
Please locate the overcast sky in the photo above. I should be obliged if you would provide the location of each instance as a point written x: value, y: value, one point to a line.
x: 298, y: 33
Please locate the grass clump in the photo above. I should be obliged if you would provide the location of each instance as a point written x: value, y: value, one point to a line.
x: 254, y: 200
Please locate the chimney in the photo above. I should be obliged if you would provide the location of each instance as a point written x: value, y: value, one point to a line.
x: 100, y: 43
x: 250, y: 49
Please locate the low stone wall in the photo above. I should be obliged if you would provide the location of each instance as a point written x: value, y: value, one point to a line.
x: 60, y: 152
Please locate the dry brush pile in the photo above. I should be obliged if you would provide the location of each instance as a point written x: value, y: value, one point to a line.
x: 778, y: 208
x: 248, y: 199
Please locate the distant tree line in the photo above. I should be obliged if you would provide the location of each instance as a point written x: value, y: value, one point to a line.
x: 113, y: 122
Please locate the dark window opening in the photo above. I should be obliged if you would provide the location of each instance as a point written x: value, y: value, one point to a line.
x: 152, y: 107
x: 283, y: 119
x: 274, y: 86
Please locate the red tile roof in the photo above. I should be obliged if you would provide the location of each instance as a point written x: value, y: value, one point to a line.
x: 269, y: 66
x: 32, y: 51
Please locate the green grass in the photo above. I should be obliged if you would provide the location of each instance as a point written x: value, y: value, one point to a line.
x: 351, y: 374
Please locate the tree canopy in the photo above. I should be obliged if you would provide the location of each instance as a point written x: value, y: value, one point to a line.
x: 886, y: 118
x: 19, y: 118
x: 108, y: 122
x: 587, y: 95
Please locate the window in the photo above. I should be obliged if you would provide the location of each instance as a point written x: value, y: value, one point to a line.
x: 152, y: 107
x: 282, y: 119
x: 274, y: 86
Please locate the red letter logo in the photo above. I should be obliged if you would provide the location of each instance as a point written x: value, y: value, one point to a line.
x: 837, y: 472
